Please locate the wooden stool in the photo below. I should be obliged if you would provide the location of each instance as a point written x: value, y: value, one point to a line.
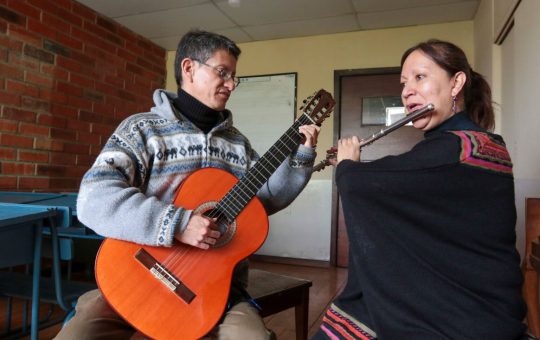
x: 276, y: 292
x: 531, y: 264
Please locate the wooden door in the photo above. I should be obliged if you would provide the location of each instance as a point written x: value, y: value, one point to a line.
x: 363, y: 97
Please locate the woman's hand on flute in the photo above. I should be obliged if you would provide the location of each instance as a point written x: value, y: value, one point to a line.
x: 348, y: 148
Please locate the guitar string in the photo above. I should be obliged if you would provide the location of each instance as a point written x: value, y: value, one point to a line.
x: 181, y: 252
x: 224, y: 210
x: 229, y: 200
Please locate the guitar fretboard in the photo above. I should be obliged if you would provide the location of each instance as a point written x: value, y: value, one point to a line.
x: 247, y: 187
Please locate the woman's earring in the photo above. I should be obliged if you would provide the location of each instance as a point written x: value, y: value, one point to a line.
x: 454, y: 99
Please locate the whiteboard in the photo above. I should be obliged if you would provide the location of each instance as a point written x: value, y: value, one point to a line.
x: 263, y: 108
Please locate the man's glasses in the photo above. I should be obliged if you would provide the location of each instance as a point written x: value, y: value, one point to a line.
x: 222, y: 73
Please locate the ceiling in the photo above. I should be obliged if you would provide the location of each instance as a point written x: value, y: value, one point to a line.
x: 165, y: 21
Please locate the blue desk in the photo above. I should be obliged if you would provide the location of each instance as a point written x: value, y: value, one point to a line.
x: 20, y: 213
x: 20, y: 243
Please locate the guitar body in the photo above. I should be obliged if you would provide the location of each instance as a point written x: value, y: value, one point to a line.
x: 146, y: 302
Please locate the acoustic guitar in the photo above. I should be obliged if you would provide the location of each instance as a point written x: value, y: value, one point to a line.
x: 181, y: 292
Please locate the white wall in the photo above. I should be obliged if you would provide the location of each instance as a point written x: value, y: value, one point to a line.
x: 520, y: 75
x: 515, y: 74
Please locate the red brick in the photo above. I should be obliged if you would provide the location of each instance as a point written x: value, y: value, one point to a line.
x: 84, y: 11
x: 38, y: 53
x: 53, y: 121
x: 7, y: 153
x: 79, y: 149
x: 68, y: 64
x: 75, y: 171
x: 51, y: 170
x: 12, y: 16
x: 117, y: 82
x: 90, y: 117
x: 7, y: 98
x: 134, y: 48
x: 84, y: 82
x: 47, y: 6
x: 8, y: 182
x: 81, y: 103
x: 61, y: 110
x: 79, y: 126
x: 63, y: 134
x: 70, y: 17
x: 33, y: 183
x: 24, y: 8
x: 49, y: 145
x: 33, y: 156
x: 22, y: 62
x: 85, y: 160
x: 127, y: 55
x: 62, y: 158
x: 102, y: 129
x: 17, y: 141
x: 11, y: 44
x: 39, y: 79
x: 83, y: 59
x: 55, y: 22
x: 41, y: 29
x: 11, y: 72
x: 92, y: 39
x: 95, y: 150
x: 22, y: 88
x: 56, y: 48
x: 94, y: 96
x: 21, y: 115
x: 12, y: 168
x: 97, y: 53
x: 64, y: 184
x: 34, y: 104
x: 127, y: 34
x: 4, y: 54
x: 69, y: 89
x: 21, y: 33
x: 103, y: 33
x: 103, y: 109
x: 88, y: 138
x: 52, y: 96
x: 33, y: 129
x: 8, y: 126
x: 56, y: 72
x: 134, y: 69
x: 112, y: 120
x: 106, y: 88
x: 69, y: 41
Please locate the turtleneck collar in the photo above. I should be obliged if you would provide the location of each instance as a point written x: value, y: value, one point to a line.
x: 199, y: 114
x: 459, y: 121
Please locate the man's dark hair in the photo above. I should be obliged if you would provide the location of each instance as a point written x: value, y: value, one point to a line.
x: 201, y: 45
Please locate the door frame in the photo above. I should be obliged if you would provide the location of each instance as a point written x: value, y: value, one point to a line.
x: 338, y: 74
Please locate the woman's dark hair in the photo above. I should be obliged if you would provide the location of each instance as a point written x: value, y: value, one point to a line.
x: 477, y: 93
x: 201, y: 45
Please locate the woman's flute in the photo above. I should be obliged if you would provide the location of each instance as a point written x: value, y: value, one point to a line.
x: 383, y: 132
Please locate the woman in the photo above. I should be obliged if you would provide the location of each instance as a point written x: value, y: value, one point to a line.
x: 432, y: 231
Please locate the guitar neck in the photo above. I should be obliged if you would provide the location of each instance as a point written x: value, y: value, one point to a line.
x: 248, y: 186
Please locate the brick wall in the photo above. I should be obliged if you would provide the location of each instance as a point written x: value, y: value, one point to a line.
x: 68, y: 76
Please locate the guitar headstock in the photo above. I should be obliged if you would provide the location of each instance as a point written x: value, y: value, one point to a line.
x: 318, y: 106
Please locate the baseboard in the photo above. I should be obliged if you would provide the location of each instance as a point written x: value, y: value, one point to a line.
x: 289, y: 260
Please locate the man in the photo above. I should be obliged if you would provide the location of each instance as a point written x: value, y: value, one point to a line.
x: 127, y: 194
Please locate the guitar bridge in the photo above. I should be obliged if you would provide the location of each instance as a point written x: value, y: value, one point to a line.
x: 164, y: 276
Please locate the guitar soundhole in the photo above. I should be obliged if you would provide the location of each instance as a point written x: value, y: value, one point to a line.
x: 226, y: 229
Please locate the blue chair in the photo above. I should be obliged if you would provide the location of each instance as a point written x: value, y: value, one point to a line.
x: 48, y: 234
